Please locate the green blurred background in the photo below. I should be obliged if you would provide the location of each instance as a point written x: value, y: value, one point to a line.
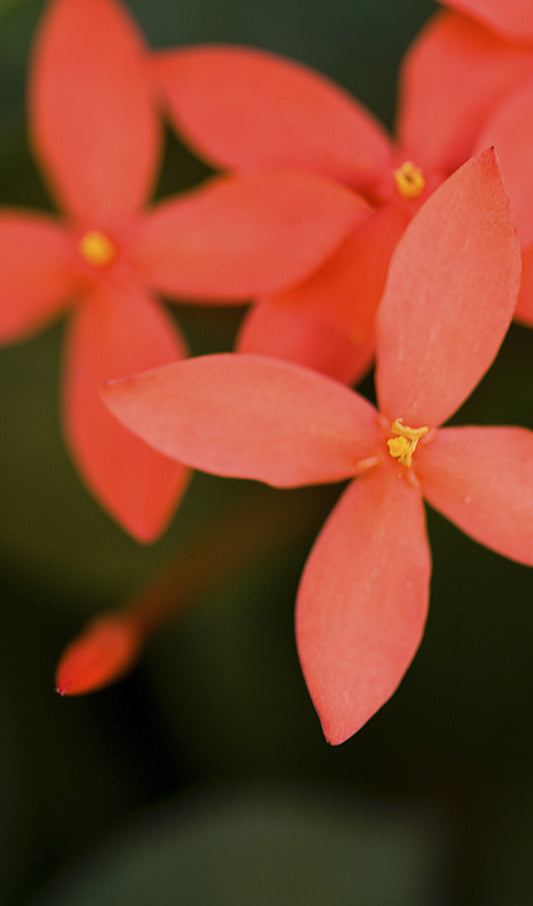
x: 203, y: 778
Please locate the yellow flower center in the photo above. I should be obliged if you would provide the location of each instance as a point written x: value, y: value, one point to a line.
x: 409, y: 180
x: 97, y: 249
x: 404, y: 441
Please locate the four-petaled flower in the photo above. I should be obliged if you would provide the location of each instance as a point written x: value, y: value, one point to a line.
x: 214, y: 93
x: 95, y: 129
x: 363, y: 597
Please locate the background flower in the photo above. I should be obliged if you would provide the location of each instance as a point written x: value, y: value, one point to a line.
x: 96, y: 133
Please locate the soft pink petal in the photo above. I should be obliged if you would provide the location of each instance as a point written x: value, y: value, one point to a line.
x: 510, y: 131
x: 244, y: 235
x: 92, y: 114
x: 450, y: 295
x: 117, y: 331
x: 510, y: 18
x: 244, y: 108
x: 524, y: 307
x: 482, y: 480
x: 362, y: 601
x: 249, y: 417
x: 37, y: 272
x: 452, y: 76
x: 273, y: 328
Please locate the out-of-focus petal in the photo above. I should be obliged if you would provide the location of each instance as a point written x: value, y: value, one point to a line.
x: 92, y: 114
x: 452, y: 76
x: 509, y: 18
x: 273, y: 328
x: 117, y: 331
x: 482, y: 480
x: 105, y: 650
x: 362, y: 601
x: 247, y: 416
x: 450, y: 296
x: 524, y: 306
x: 244, y: 108
x: 510, y: 131
x: 240, y: 236
x: 327, y: 321
x: 38, y: 272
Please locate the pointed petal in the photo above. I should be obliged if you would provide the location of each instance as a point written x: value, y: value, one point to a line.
x: 244, y: 108
x: 510, y: 131
x: 38, y: 268
x: 524, y: 306
x: 249, y: 417
x: 273, y: 328
x: 117, y: 331
x: 452, y: 76
x: 509, y: 18
x: 450, y: 295
x: 482, y: 480
x: 244, y: 235
x: 362, y: 601
x: 105, y: 650
x: 93, y: 119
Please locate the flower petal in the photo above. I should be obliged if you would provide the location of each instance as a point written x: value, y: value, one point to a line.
x: 524, y: 306
x: 450, y: 295
x: 117, y: 331
x: 362, y: 601
x: 102, y: 653
x: 510, y: 18
x: 274, y: 328
x: 93, y: 118
x: 244, y: 235
x: 244, y: 108
x: 482, y: 480
x: 510, y: 131
x: 38, y: 267
x: 327, y: 321
x: 249, y: 417
x: 452, y: 76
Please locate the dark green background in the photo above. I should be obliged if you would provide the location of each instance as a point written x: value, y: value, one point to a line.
x: 204, y: 778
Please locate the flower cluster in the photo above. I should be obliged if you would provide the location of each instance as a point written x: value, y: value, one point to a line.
x: 416, y: 251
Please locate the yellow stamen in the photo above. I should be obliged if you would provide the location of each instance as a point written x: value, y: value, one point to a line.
x: 404, y: 441
x: 97, y: 249
x: 409, y: 180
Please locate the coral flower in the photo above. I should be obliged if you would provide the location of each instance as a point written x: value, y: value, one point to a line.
x: 96, y: 134
x: 470, y: 73
x: 462, y: 64
x: 510, y: 130
x: 245, y: 109
x: 363, y: 597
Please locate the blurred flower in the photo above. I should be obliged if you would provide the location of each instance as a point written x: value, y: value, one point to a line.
x: 510, y: 19
x: 363, y: 597
x: 96, y: 134
x: 463, y: 63
x: 245, y: 109
x: 471, y: 72
x: 510, y: 130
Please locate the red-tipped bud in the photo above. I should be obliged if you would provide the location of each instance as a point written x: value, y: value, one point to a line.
x: 99, y: 656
